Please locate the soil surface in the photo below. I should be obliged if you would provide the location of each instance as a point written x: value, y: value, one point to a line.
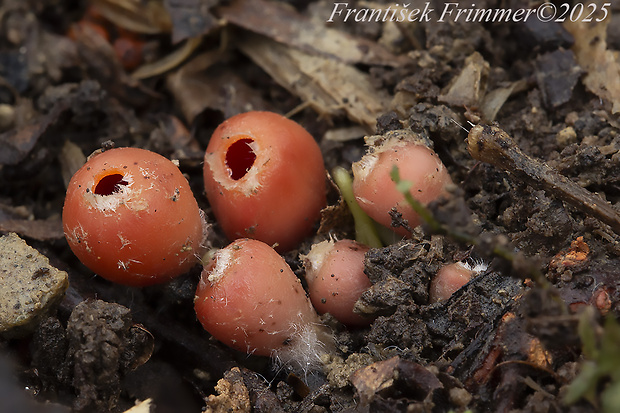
x: 536, y: 200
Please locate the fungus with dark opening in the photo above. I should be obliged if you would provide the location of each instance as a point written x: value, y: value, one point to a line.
x: 249, y: 299
x: 130, y: 217
x: 374, y: 190
x: 265, y: 179
x: 336, y: 279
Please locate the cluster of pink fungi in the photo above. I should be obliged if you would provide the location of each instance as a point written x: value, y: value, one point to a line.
x: 130, y: 217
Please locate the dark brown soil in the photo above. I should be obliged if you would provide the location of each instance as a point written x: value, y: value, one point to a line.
x: 536, y: 198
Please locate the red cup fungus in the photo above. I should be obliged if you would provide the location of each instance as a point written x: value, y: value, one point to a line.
x: 336, y: 279
x: 377, y: 194
x: 249, y: 299
x: 130, y: 217
x: 265, y: 179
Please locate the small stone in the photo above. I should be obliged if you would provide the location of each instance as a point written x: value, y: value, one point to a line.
x: 566, y: 136
x: 557, y: 73
x: 233, y: 395
x: 29, y: 286
x: 339, y: 371
x: 460, y: 397
x: 7, y: 117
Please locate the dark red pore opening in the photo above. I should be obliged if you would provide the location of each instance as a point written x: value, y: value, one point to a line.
x: 239, y: 158
x: 110, y: 184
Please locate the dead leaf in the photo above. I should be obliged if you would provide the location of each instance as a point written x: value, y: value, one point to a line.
x: 167, y: 62
x: 17, y: 143
x: 495, y: 99
x: 333, y: 217
x: 71, y: 159
x: 601, y: 64
x: 331, y: 87
x: 286, y: 26
x: 203, y: 84
x: 344, y: 134
x: 102, y: 63
x: 190, y: 18
x: 469, y: 86
x: 172, y: 130
x: 147, y: 17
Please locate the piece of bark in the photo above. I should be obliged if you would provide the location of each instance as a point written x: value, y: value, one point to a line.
x: 492, y: 145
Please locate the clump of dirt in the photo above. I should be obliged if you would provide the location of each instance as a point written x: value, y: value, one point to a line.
x: 98, y: 347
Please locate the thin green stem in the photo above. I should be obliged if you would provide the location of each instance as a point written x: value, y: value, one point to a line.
x: 403, y: 186
x: 365, y: 230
